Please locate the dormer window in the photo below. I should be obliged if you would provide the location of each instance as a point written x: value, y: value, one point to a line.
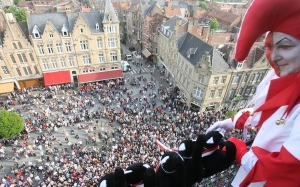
x: 64, y: 30
x: 191, y: 52
x: 239, y: 65
x: 36, y: 32
x: 97, y: 26
x: 109, y: 17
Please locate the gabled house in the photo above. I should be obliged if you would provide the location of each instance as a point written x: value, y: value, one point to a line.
x: 77, y: 47
x: 150, y: 34
x: 178, y: 8
x: 192, y: 65
x: 19, y: 67
x: 136, y: 19
x: 207, y: 78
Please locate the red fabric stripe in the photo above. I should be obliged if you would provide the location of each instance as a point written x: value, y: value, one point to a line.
x: 240, y: 123
x: 162, y: 146
x: 259, y: 152
x: 280, y: 92
x: 136, y: 184
x: 210, y: 149
x: 277, y: 169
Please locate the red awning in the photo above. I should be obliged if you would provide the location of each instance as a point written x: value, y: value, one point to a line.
x: 58, y: 77
x: 99, y: 76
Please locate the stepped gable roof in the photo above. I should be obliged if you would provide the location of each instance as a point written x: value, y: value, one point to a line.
x: 170, y: 25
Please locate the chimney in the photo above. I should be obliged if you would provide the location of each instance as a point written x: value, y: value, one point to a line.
x: 205, y: 33
x: 191, y: 25
x: 68, y: 11
x: 178, y: 23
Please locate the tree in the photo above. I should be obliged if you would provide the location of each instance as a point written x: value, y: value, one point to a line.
x: 213, y: 24
x: 11, y: 124
x: 19, y: 13
x: 230, y: 113
x: 124, y: 33
x: 203, y: 5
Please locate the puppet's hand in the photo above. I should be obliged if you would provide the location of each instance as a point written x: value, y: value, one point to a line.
x: 219, y: 156
x: 241, y: 148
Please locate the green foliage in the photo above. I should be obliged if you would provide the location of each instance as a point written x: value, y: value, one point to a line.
x: 203, y: 5
x: 19, y: 13
x: 11, y: 124
x: 124, y: 32
x: 230, y: 113
x: 214, y: 24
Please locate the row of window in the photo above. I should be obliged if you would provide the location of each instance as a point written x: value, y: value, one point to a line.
x: 55, y: 65
x: 22, y: 57
x: 36, y: 33
x: 101, y: 69
x: 250, y: 90
x: 84, y: 45
x: 199, y: 93
x: 255, y: 78
x: 86, y: 60
x: 50, y: 48
x: 26, y: 69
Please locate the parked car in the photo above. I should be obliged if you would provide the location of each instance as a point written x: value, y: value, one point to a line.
x: 128, y: 57
x: 131, y: 49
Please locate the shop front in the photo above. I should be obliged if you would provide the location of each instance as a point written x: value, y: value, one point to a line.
x: 31, y: 83
x: 6, y: 87
x: 100, y: 76
x: 58, y: 77
x: 195, y: 107
x: 210, y: 107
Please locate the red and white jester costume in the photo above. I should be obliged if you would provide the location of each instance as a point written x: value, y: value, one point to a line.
x: 274, y: 158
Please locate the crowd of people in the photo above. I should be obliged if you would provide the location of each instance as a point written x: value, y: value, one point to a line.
x: 89, y: 149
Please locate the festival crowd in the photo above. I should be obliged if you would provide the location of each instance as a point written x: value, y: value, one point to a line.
x: 134, y: 123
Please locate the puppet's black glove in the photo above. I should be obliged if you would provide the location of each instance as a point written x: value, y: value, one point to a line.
x: 218, y: 155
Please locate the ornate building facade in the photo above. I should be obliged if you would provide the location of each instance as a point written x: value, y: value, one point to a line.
x: 62, y: 47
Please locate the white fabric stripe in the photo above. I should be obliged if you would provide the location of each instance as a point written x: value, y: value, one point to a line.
x: 208, y: 153
x: 162, y: 146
